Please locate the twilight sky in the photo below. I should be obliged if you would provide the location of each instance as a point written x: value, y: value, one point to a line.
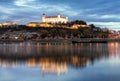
x: 103, y: 13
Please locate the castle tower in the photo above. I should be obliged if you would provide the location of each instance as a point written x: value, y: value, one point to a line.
x: 58, y: 15
x: 43, y: 17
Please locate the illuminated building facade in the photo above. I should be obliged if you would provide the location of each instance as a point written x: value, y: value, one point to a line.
x: 76, y: 26
x: 4, y: 24
x: 37, y: 24
x: 54, y: 19
x: 32, y: 24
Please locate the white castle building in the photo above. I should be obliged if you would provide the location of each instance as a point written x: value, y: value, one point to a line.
x: 54, y: 19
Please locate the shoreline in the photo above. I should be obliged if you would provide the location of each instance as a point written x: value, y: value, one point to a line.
x: 75, y: 40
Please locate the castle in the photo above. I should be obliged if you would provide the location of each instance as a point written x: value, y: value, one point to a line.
x: 54, y: 19
x: 48, y: 21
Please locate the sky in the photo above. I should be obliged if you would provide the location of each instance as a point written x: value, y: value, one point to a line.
x: 102, y: 13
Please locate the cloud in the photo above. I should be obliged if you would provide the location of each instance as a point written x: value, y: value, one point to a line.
x: 6, y: 10
x: 110, y: 16
x: 3, y: 17
x: 34, y: 4
x: 110, y: 25
x: 23, y: 3
x: 104, y: 13
x: 113, y: 16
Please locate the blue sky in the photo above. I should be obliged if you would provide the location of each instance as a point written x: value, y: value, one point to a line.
x: 103, y: 13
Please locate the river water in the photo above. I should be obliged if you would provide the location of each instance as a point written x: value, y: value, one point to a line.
x: 34, y: 61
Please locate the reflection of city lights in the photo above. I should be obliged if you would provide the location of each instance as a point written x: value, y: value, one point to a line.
x: 90, y: 44
x: 4, y: 44
x: 47, y: 44
x: 55, y: 57
x: 28, y: 48
x: 31, y: 62
x: 116, y: 44
x: 21, y: 44
x: 75, y: 60
x: 7, y: 63
x: 52, y: 67
x: 38, y: 44
x: 28, y: 44
x: 113, y: 48
x: 81, y: 44
x: 112, y: 44
x: 97, y: 45
x: 48, y: 66
x: 16, y: 48
x: 38, y: 47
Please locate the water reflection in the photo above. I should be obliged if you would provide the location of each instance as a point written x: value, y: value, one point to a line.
x: 113, y: 48
x: 57, y: 65
x: 55, y: 58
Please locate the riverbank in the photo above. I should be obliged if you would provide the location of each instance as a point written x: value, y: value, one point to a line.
x: 95, y: 40
x: 75, y: 40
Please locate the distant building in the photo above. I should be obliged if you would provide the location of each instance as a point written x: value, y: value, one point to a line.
x: 9, y: 23
x: 76, y: 26
x: 54, y: 19
x: 37, y: 24
x: 0, y: 24
x: 43, y: 24
x: 105, y: 29
x: 97, y: 29
x: 32, y: 24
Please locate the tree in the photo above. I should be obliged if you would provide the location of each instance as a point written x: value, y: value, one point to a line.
x: 81, y: 22
x: 44, y: 34
x: 92, y: 25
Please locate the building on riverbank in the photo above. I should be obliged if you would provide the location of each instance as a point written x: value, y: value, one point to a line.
x: 37, y: 24
x: 8, y: 23
x: 54, y: 19
x: 0, y: 24
x: 76, y: 26
x: 32, y: 24
x: 57, y: 21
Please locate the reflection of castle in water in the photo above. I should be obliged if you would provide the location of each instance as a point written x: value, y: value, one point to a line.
x: 57, y: 68
x: 57, y: 65
x: 65, y: 55
x: 49, y: 65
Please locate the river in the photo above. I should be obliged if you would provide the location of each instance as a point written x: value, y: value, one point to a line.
x: 34, y: 61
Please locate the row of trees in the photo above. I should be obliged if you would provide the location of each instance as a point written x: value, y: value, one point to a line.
x: 78, y: 33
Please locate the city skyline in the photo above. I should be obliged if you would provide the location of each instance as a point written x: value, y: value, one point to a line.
x: 99, y: 12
